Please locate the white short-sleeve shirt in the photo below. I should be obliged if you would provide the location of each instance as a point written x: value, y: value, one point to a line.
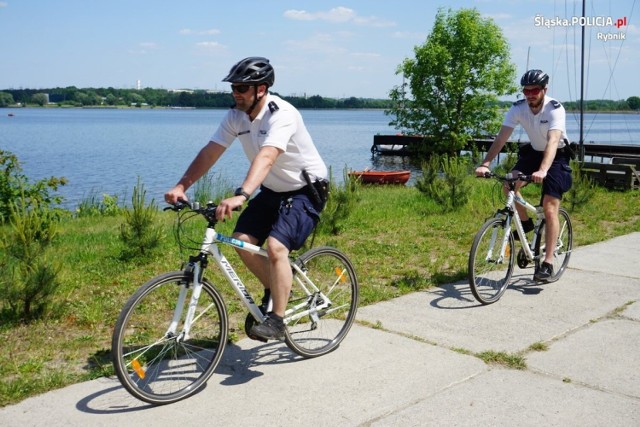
x: 551, y: 116
x: 279, y: 124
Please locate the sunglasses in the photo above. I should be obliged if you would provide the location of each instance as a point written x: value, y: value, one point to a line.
x: 240, y: 88
x: 534, y: 91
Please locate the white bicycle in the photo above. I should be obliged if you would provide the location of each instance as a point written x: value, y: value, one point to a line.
x: 492, y: 255
x: 171, y: 333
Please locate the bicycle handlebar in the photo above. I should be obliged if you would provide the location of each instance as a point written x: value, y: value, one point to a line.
x: 508, y: 177
x: 208, y: 211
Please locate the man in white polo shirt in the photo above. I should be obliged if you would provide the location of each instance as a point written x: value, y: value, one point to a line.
x: 287, y: 169
x: 546, y: 158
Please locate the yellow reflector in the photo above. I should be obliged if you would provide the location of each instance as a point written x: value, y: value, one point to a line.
x: 138, y: 368
x: 341, y: 275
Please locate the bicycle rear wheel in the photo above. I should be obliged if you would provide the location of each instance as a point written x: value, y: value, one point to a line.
x: 562, y: 248
x: 159, y: 366
x: 490, y: 268
x: 319, y: 319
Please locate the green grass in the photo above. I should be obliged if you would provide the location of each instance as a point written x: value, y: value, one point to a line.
x: 398, y: 241
x: 507, y: 360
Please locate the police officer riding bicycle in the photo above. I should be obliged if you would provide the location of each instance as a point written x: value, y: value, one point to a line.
x: 285, y: 166
x: 546, y: 158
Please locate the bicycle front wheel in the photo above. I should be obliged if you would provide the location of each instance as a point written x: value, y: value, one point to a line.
x: 323, y: 302
x: 154, y: 358
x: 491, y: 261
x: 561, y: 248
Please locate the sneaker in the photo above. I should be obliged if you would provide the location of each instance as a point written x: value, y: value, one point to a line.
x: 271, y: 329
x: 543, y: 273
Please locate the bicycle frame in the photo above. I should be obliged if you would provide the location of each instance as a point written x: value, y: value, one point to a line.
x: 210, y: 247
x: 511, y: 212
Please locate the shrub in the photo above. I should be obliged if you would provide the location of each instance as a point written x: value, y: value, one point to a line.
x: 450, y: 188
x: 342, y: 199
x: 15, y: 186
x: 140, y: 233
x: 582, y: 189
x: 28, y: 275
x: 91, y: 206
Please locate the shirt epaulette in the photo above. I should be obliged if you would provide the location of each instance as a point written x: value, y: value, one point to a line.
x: 519, y: 101
x: 556, y: 104
x: 273, y: 107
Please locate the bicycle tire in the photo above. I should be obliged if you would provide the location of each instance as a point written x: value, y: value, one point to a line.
x: 161, y: 368
x: 563, y: 247
x: 321, y: 331
x: 489, y: 276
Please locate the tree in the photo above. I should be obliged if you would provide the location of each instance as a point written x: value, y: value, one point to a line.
x: 16, y: 186
x: 634, y: 102
x: 454, y: 82
x: 6, y: 99
x: 40, y: 99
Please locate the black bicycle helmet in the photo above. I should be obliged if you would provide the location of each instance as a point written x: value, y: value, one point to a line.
x: 534, y: 77
x: 254, y: 69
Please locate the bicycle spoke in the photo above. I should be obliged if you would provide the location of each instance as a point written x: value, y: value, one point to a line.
x: 173, y: 367
x: 562, y: 247
x: 491, y: 261
x: 321, y: 323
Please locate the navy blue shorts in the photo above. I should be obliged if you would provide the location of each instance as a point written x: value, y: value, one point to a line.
x: 288, y: 217
x: 558, y: 180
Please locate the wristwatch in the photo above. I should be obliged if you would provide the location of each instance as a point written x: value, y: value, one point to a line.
x: 240, y: 192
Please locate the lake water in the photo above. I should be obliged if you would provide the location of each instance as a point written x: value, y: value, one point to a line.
x: 105, y: 151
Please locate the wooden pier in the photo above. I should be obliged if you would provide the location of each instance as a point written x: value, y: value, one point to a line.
x: 618, y: 166
x: 403, y: 144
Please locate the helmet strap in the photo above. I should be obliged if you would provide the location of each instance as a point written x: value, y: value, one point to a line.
x: 255, y: 100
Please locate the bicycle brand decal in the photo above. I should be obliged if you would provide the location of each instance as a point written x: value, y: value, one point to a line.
x: 231, y: 241
x: 236, y: 280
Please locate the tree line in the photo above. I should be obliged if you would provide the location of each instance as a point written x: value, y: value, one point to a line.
x: 111, y: 97
x: 95, y: 97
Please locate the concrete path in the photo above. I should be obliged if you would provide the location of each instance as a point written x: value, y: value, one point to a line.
x: 411, y: 362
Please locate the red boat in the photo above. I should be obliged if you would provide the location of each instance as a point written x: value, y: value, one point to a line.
x: 379, y: 177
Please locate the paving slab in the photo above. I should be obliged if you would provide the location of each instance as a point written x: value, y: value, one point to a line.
x: 621, y: 253
x: 526, y: 314
x: 632, y: 311
x: 517, y: 398
x: 371, y: 374
x: 595, y: 355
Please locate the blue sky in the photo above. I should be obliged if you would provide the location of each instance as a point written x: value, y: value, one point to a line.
x: 331, y: 48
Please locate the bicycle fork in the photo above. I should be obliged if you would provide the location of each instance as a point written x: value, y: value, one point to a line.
x: 195, y: 284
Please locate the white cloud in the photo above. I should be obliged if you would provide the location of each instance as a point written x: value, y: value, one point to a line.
x: 338, y: 14
x: 211, y: 45
x: 189, y: 32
